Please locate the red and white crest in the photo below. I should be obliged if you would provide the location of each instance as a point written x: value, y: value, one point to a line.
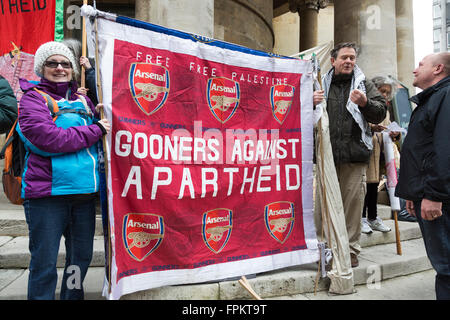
x: 216, y: 231
x: 223, y: 97
x: 149, y: 85
x: 142, y: 234
x: 279, y: 219
x: 281, y: 97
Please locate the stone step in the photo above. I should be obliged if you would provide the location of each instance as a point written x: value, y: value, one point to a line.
x: 377, y: 263
x: 14, y: 283
x: 416, y: 286
x: 14, y: 251
x: 13, y: 223
x: 381, y: 260
x: 384, y: 211
x: 4, y: 202
x: 408, y: 231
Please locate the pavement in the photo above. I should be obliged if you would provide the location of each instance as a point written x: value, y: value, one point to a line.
x: 416, y: 286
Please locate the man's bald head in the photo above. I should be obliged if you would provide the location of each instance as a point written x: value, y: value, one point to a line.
x: 444, y: 59
x: 432, y: 69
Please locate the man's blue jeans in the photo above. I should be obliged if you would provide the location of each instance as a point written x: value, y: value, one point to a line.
x: 436, y: 235
x: 48, y: 219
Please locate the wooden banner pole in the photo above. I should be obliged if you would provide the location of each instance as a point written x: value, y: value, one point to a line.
x: 83, y: 48
x: 397, y: 234
x: 244, y: 282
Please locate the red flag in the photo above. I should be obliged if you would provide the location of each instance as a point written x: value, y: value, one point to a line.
x: 26, y: 24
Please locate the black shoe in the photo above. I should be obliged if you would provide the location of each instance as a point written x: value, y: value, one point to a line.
x: 405, y: 216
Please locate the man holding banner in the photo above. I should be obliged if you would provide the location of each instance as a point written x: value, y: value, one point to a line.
x: 425, y: 169
x: 352, y: 102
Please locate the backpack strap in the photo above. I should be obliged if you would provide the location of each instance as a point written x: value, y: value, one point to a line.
x: 8, y: 140
x: 54, y: 109
x: 51, y: 104
x: 80, y: 112
x: 86, y: 107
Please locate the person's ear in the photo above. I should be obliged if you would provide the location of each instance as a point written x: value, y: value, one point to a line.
x: 439, y: 69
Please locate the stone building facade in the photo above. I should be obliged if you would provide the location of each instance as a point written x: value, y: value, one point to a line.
x: 382, y: 28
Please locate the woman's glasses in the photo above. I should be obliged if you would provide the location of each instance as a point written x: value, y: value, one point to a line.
x: 54, y: 64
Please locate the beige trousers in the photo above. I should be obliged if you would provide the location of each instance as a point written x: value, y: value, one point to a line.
x: 352, y: 182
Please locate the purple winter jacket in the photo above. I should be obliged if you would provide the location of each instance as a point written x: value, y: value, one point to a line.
x: 54, y: 147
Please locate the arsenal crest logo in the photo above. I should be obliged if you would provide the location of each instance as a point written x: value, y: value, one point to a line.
x: 149, y: 85
x: 223, y: 97
x: 142, y: 234
x: 216, y: 231
x: 281, y: 97
x: 279, y: 219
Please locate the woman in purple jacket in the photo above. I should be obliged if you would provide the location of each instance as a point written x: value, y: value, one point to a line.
x: 60, y: 180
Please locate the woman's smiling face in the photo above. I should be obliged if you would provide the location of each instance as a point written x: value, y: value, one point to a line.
x: 58, y: 68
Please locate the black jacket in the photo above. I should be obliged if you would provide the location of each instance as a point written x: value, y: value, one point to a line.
x: 425, y: 153
x: 345, y: 134
x: 91, y: 85
x: 8, y: 106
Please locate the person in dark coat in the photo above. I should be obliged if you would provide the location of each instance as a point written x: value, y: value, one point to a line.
x: 424, y: 179
x: 8, y: 106
x: 352, y: 102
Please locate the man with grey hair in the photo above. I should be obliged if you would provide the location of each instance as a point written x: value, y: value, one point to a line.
x: 424, y: 179
x: 352, y: 102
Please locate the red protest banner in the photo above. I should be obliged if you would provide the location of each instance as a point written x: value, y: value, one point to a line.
x: 214, y: 175
x: 209, y: 158
x: 26, y: 24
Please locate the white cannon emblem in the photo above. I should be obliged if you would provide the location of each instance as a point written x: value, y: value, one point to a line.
x: 149, y: 91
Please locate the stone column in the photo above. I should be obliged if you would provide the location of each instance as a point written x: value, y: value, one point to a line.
x: 405, y: 42
x: 308, y: 11
x: 245, y: 22
x: 372, y: 25
x: 193, y: 16
x: 286, y: 28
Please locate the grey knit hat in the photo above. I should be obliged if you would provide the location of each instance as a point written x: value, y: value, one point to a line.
x: 49, y: 49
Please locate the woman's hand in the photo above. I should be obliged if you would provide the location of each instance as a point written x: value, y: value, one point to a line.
x: 99, y: 107
x: 105, y: 124
x: 82, y: 90
x: 85, y: 62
